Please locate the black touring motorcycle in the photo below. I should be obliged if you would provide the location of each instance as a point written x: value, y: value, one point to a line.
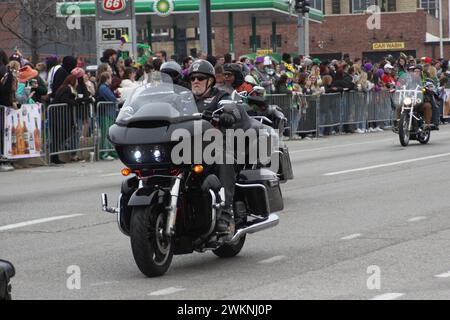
x: 411, y: 125
x: 171, y: 209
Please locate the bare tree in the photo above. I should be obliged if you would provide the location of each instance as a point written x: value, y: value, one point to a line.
x: 34, y: 23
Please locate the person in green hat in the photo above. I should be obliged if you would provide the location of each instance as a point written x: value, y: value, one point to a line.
x: 144, y: 52
x: 316, y: 61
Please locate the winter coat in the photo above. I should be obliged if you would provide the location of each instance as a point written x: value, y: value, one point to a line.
x: 105, y: 94
x: 8, y: 87
x: 69, y: 63
x: 66, y: 95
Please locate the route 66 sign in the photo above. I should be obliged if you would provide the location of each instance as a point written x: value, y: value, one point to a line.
x: 114, y: 6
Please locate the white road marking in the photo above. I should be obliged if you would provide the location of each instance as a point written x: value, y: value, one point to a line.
x: 38, y: 221
x: 443, y: 275
x: 339, y: 146
x: 388, y: 164
x: 272, y: 260
x: 388, y: 296
x: 166, y: 291
x: 352, y: 236
x: 416, y: 219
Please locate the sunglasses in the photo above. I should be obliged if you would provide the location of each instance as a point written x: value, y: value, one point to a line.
x: 199, y: 78
x: 229, y: 74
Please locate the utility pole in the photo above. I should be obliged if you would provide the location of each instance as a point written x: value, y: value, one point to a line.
x: 205, y: 26
x: 306, y: 33
x: 301, y: 35
x: 302, y: 10
x: 441, y: 30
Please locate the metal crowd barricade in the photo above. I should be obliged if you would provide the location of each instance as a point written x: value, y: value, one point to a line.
x: 69, y: 129
x: 445, y: 108
x: 309, y: 116
x: 286, y: 103
x: 353, y: 110
x: 381, y: 106
x: 2, y: 130
x: 106, y: 113
x: 330, y: 113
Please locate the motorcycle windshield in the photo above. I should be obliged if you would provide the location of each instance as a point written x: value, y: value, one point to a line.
x: 410, y: 86
x: 158, y: 100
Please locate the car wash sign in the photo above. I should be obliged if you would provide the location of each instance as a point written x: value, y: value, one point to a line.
x: 116, y: 26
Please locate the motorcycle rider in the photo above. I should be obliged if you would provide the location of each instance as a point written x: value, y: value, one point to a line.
x: 202, y: 78
x: 173, y: 70
x: 425, y: 108
x: 235, y: 78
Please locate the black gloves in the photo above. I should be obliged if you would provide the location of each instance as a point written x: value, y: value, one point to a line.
x: 227, y: 120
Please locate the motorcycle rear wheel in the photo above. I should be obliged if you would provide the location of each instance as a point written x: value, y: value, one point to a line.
x: 403, y: 129
x: 152, y: 249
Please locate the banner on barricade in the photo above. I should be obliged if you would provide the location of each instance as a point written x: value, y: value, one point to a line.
x: 22, y: 132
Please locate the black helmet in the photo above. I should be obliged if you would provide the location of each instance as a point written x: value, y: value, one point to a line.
x: 202, y: 66
x: 237, y: 71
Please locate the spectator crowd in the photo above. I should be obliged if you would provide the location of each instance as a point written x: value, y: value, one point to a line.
x: 54, y: 81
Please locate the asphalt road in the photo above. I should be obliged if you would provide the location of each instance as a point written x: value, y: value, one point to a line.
x: 364, y: 218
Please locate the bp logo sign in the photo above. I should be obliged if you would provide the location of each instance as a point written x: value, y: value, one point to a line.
x: 163, y: 8
x: 114, y: 6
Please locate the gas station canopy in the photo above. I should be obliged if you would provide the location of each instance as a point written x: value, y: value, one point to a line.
x: 185, y: 14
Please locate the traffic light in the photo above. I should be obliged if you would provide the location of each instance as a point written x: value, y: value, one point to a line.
x: 302, y: 6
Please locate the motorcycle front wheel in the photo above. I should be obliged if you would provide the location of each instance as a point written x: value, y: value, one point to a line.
x: 230, y: 250
x: 152, y: 249
x: 403, y: 129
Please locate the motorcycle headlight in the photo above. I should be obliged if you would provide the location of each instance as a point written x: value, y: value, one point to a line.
x: 407, y: 101
x: 144, y: 154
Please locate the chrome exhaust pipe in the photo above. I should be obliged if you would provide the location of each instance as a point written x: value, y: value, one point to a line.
x: 258, y: 225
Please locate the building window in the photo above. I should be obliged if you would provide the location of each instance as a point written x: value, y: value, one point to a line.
x: 392, y: 5
x: 278, y: 41
x: 258, y: 42
x: 431, y: 6
x: 317, y: 4
x: 336, y: 7
x: 360, y: 6
x: 160, y: 32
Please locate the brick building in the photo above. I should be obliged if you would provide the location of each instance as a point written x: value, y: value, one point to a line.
x: 406, y: 26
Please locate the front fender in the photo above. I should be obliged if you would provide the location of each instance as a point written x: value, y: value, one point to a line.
x: 143, y: 197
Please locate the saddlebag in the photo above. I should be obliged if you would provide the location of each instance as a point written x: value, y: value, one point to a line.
x: 260, y: 190
x: 285, y: 170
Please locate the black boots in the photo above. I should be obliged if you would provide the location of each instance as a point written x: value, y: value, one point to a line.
x: 55, y: 160
x: 225, y: 222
